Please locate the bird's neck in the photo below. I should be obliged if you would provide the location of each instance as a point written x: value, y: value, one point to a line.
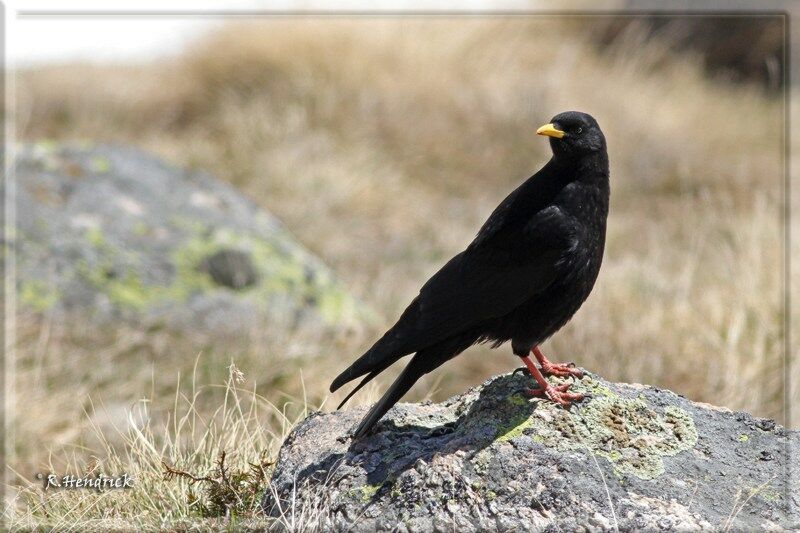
x: 592, y: 167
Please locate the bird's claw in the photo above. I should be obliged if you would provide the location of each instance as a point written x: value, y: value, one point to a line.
x: 558, y: 394
x: 561, y: 369
x: 521, y: 370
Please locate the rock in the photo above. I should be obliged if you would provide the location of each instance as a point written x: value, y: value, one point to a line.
x: 628, y: 456
x: 110, y: 232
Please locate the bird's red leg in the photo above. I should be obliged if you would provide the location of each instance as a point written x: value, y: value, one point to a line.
x: 557, y: 394
x: 556, y: 369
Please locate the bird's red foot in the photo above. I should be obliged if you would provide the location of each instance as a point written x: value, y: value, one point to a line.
x: 556, y: 369
x: 559, y: 394
x: 561, y: 369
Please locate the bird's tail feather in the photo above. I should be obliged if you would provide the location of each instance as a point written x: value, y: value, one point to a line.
x: 415, y: 369
x: 364, y: 381
x: 379, y: 357
x: 389, y: 348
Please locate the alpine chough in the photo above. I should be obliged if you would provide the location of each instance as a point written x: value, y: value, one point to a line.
x: 529, y: 269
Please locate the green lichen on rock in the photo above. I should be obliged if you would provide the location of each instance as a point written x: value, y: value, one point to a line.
x: 125, y: 291
x: 96, y: 238
x: 480, y: 461
x: 518, y: 399
x: 627, y: 432
x: 365, y: 493
x: 43, y: 147
x: 100, y: 164
x: 128, y: 291
x: 682, y: 426
x: 281, y: 272
x: 396, y: 491
x: 44, y: 153
x: 634, y: 437
x: 592, y: 387
x: 515, y: 428
x: 140, y: 229
x: 36, y: 295
x: 123, y: 287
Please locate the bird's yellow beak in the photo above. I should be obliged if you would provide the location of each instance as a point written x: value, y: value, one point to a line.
x: 550, y: 131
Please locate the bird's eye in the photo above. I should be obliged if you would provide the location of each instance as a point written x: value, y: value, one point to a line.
x: 578, y: 130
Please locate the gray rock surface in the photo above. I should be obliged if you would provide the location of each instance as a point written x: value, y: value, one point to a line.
x: 629, y: 456
x: 111, y: 232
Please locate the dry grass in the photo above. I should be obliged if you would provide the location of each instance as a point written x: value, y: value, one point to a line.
x: 194, y: 469
x: 383, y: 145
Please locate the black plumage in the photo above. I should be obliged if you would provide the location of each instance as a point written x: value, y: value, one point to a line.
x: 529, y: 269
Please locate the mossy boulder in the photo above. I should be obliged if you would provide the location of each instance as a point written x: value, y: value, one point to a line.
x: 111, y: 232
x: 627, y: 456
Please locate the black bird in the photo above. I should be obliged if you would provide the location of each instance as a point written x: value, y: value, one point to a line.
x: 529, y: 269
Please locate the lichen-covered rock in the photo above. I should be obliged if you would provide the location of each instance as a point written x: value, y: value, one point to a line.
x: 627, y: 456
x: 114, y: 233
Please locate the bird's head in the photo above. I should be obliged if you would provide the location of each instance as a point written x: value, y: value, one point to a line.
x: 574, y: 133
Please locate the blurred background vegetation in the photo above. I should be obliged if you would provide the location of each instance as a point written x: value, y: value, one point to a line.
x: 383, y: 144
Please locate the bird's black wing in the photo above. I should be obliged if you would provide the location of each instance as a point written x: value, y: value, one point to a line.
x: 495, y: 275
